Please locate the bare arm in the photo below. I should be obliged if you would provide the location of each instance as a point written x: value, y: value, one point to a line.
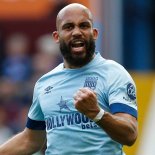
x: 25, y: 143
x: 120, y: 127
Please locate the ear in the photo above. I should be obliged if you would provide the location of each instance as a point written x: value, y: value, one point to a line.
x: 95, y: 33
x: 56, y: 36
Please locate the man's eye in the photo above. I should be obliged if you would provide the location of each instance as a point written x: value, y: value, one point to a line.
x: 84, y: 26
x: 68, y: 27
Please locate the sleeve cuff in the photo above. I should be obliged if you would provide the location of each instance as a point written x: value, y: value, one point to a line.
x: 123, y: 108
x: 35, y: 125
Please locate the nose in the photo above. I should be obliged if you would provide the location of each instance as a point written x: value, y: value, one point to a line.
x: 76, y: 31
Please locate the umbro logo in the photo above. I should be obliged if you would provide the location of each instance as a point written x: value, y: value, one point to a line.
x: 48, y: 89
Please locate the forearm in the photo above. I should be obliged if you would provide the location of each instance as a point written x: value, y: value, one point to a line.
x: 120, y: 129
x: 18, y: 145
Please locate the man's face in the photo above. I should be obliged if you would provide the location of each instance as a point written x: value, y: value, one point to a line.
x: 76, y: 37
x: 81, y: 57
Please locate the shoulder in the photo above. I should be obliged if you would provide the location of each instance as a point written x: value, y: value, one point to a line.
x: 115, y: 69
x: 109, y: 65
x: 46, y: 77
x: 116, y: 74
x: 51, y: 73
x: 113, y: 65
x: 110, y: 69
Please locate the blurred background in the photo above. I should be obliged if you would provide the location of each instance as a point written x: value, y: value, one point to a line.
x: 27, y: 51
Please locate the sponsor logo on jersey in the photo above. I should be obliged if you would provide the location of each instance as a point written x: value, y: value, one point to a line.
x: 71, y: 119
x: 91, y: 82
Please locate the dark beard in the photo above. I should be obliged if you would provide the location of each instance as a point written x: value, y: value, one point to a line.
x: 78, y: 61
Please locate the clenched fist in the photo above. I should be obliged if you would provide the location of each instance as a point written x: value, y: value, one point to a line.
x: 85, y: 101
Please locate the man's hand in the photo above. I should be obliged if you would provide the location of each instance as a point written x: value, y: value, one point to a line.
x: 85, y: 101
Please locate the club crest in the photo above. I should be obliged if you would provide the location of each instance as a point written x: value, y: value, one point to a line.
x: 91, y: 82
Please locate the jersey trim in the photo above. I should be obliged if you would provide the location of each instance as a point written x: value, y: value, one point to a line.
x: 120, y: 107
x: 35, y: 125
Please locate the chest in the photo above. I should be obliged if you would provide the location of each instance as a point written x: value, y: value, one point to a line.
x: 56, y: 97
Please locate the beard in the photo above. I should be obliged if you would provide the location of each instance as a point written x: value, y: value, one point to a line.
x: 78, y: 61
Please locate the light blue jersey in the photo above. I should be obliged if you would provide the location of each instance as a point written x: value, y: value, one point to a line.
x: 68, y: 131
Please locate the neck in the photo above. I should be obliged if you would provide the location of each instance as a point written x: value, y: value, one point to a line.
x: 71, y: 66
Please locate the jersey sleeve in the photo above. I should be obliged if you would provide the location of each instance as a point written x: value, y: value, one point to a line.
x: 122, y: 92
x: 35, y: 116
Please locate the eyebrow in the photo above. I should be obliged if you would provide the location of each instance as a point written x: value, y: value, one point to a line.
x: 67, y: 24
x: 72, y: 23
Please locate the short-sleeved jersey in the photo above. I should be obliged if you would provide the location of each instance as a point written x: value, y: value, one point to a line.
x: 68, y: 131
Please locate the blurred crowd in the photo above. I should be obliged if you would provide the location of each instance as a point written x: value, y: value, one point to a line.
x: 27, y: 51
x: 21, y: 65
x: 19, y: 72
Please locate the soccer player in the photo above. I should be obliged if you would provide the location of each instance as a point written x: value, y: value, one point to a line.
x: 86, y: 105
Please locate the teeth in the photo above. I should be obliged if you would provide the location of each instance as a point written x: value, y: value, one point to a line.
x: 77, y: 44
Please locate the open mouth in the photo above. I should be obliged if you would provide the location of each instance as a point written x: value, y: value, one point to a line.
x: 78, y: 46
